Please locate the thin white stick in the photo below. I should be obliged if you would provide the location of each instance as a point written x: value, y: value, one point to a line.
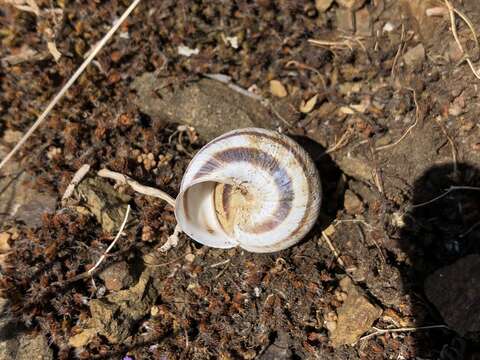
x: 449, y: 190
x: 70, y: 82
x: 77, y: 177
x: 417, y: 115
x: 333, y: 250
x: 405, y: 329
x: 220, y: 263
x: 113, y: 242
x: 135, y: 185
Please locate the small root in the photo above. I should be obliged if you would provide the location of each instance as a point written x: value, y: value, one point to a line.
x: 136, y: 186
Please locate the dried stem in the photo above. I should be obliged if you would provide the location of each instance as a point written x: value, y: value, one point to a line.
x: 452, y: 145
x: 77, y: 177
x: 136, y: 186
x: 417, y: 115
x: 333, y: 249
x: 405, y: 329
x: 91, y: 271
x: 452, y: 11
x: 450, y: 189
x: 69, y: 83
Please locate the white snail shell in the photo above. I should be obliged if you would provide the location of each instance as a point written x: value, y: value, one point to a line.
x: 253, y: 188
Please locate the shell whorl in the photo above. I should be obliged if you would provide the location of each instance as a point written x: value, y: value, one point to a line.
x: 252, y: 188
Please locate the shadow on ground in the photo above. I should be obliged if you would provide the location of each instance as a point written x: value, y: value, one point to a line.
x: 441, y: 237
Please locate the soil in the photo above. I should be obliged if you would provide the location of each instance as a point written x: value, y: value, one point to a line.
x: 394, y: 126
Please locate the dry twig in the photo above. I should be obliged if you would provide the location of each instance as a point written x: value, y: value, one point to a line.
x: 449, y: 190
x: 452, y: 145
x: 452, y: 11
x: 92, y: 270
x: 417, y: 116
x: 69, y: 83
x: 333, y: 249
x: 136, y: 186
x: 405, y: 329
x: 77, y: 177
x: 347, y: 42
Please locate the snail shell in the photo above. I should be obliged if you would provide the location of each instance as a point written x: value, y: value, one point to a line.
x: 252, y: 188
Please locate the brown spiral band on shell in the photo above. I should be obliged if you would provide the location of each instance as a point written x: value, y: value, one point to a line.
x: 262, y: 160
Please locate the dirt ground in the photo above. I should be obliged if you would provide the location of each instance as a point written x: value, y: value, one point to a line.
x: 384, y: 101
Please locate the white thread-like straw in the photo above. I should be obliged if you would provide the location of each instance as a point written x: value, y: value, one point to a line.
x: 70, y: 82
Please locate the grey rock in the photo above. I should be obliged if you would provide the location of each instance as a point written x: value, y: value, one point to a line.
x: 363, y: 22
x: 352, y: 203
x: 208, y: 105
x: 34, y: 347
x: 415, y: 56
x: 455, y: 292
x: 103, y: 201
x: 279, y: 349
x: 117, y: 276
x: 345, y: 20
x: 115, y: 315
x: 18, y: 199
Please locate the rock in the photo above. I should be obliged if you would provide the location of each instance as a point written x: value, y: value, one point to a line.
x: 115, y: 316
x: 454, y: 53
x: 208, y: 105
x: 345, y: 20
x: 82, y: 338
x: 307, y: 106
x: 323, y: 5
x: 117, y: 276
x: 34, y: 346
x: 355, y: 316
x: 457, y: 107
x: 363, y: 23
x: 415, y: 56
x: 277, y: 89
x: 280, y: 349
x: 4, y: 245
x: 351, y: 4
x: 454, y: 290
x: 18, y: 199
x: 352, y: 203
x: 356, y: 166
x: 104, y: 202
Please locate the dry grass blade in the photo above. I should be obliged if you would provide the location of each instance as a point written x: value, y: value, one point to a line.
x: 449, y: 190
x: 406, y: 329
x: 417, y: 115
x: 69, y: 83
x: 91, y: 271
x: 452, y: 11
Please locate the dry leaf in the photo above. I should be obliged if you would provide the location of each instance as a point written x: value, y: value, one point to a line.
x: 277, y: 89
x: 4, y: 246
x: 25, y: 53
x: 346, y: 110
x: 53, y: 50
x: 25, y: 5
x: 307, y: 106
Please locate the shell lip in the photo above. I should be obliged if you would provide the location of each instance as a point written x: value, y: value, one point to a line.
x: 215, y: 236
